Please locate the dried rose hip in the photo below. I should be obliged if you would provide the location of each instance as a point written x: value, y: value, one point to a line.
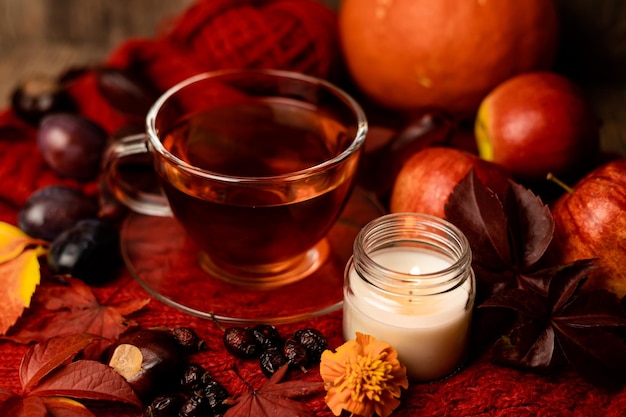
x: 240, y: 341
x: 188, y: 339
x: 313, y: 341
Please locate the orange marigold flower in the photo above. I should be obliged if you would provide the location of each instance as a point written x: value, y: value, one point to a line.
x: 363, y: 376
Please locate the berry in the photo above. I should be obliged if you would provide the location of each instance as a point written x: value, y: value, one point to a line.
x: 188, y: 339
x: 195, y: 406
x: 271, y: 360
x: 164, y: 406
x: 192, y: 377
x: 313, y: 341
x: 215, y: 394
x: 240, y: 341
x: 267, y: 336
x: 296, y: 354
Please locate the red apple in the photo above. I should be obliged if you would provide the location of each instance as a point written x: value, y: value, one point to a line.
x: 536, y: 123
x: 590, y: 222
x: 428, y: 177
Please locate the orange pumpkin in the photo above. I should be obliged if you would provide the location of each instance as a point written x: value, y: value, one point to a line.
x: 443, y: 54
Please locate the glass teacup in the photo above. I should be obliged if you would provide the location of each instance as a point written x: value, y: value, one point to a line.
x: 256, y: 165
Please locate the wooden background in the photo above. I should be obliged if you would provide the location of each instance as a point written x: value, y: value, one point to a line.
x: 46, y: 36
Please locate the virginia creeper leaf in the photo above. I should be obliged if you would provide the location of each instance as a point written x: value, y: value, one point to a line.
x: 529, y: 345
x: 522, y: 301
x: 89, y: 380
x: 517, y: 230
x: 478, y: 212
x: 25, y: 407
x: 566, y: 280
x: 530, y: 223
x: 65, y: 407
x: 274, y: 399
x: 44, y: 357
x: 71, y: 307
x: 32, y: 406
x: 11, y: 404
x: 592, y: 309
x: 575, y: 325
x: 597, y: 355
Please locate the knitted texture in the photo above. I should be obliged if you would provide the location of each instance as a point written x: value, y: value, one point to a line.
x: 298, y: 35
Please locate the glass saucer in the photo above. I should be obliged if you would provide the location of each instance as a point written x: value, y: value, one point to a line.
x: 164, y: 261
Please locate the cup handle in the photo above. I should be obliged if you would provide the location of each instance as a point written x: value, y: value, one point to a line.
x: 130, y: 194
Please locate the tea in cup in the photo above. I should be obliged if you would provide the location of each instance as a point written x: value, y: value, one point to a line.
x: 256, y: 165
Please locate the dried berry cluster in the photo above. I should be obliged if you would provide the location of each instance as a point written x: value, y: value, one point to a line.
x: 264, y: 342
x: 198, y: 395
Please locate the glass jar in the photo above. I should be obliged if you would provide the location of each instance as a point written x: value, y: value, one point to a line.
x: 410, y: 283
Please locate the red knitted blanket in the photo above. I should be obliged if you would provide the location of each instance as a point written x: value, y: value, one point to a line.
x: 298, y: 35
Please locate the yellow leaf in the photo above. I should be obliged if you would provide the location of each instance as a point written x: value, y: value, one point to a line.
x: 13, y: 241
x: 8, y: 232
x: 19, y: 278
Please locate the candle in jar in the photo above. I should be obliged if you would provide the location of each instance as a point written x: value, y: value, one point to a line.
x: 428, y: 327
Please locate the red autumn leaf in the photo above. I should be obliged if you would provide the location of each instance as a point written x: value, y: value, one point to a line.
x: 24, y: 407
x: 71, y: 307
x: 88, y: 380
x: 51, y: 380
x: 65, y: 407
x: 11, y: 404
x: 18, y: 406
x: 274, y: 399
x: 44, y: 357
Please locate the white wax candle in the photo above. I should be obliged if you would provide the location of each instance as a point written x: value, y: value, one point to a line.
x: 430, y: 332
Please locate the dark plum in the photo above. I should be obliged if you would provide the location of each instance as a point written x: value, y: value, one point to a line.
x: 125, y: 91
x: 72, y: 145
x: 51, y: 210
x: 89, y: 251
x: 38, y: 96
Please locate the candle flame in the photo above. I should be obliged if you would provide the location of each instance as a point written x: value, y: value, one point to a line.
x: 415, y: 270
